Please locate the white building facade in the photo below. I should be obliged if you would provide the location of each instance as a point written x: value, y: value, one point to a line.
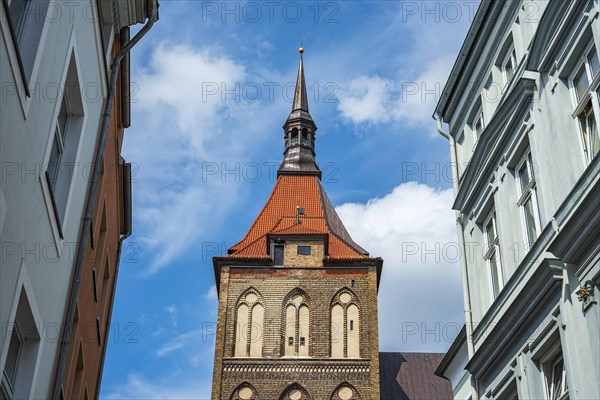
x: 521, y: 109
x: 54, y: 65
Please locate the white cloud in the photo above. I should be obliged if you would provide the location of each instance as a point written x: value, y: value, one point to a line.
x: 419, y: 97
x: 375, y: 99
x: 184, y: 124
x: 413, y: 230
x: 365, y: 98
x: 179, y: 341
x: 139, y: 387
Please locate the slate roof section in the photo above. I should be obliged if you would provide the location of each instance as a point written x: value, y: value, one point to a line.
x: 411, y: 376
x: 278, y: 216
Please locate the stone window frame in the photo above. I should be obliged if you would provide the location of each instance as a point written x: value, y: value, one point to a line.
x: 255, y: 393
x: 306, y: 301
x: 355, y: 396
x: 335, y: 300
x: 242, y: 301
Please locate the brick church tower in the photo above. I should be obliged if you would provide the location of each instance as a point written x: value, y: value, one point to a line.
x: 297, y: 315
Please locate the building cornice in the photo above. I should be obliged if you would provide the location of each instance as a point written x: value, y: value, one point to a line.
x: 486, y: 155
x: 552, y: 33
x: 491, y: 16
x: 535, y: 293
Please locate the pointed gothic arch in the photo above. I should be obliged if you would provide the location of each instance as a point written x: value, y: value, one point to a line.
x: 345, y: 318
x: 345, y: 391
x: 295, y: 392
x: 249, y: 324
x: 295, y: 323
x: 245, y: 391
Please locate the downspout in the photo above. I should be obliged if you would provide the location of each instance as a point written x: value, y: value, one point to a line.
x: 98, y: 162
x: 461, y: 237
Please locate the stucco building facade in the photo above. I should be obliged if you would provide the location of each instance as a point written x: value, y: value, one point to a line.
x: 55, y: 70
x: 521, y: 112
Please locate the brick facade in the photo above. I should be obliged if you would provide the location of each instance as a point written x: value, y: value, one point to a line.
x: 319, y: 374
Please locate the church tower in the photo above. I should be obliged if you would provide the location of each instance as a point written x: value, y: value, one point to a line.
x: 297, y: 315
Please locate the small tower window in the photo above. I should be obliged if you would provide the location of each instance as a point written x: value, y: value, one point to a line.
x: 353, y: 283
x: 302, y: 341
x: 351, y: 325
x: 304, y: 137
x: 294, y: 136
x: 290, y: 340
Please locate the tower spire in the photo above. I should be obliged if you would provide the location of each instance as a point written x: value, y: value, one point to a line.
x: 299, y: 136
x: 300, y: 97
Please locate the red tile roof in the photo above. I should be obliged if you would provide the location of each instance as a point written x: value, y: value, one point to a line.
x: 278, y: 216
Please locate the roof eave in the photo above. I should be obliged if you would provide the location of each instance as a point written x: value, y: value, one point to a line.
x: 451, y: 353
x: 463, y: 54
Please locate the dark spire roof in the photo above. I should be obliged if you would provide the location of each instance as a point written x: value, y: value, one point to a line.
x: 299, y: 153
x: 300, y: 97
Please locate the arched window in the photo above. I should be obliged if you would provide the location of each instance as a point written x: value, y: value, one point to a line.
x: 345, y: 325
x: 294, y: 136
x: 245, y: 391
x: 304, y: 137
x: 295, y: 392
x: 345, y: 391
x: 296, y: 324
x: 249, y: 323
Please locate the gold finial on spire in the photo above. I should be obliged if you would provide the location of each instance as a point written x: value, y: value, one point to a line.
x: 301, y: 49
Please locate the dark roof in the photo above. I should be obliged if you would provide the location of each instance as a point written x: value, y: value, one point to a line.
x: 410, y: 376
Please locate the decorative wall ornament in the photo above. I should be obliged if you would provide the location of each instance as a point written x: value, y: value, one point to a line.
x: 585, y: 294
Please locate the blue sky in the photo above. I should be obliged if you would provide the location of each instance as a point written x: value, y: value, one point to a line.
x: 212, y: 87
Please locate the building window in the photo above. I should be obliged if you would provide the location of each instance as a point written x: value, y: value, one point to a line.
x: 297, y: 324
x: 9, y: 374
x: 294, y: 136
x: 60, y: 169
x: 58, y: 144
x: 304, y: 137
x: 555, y: 377
x: 492, y: 255
x: 304, y: 250
x: 508, y: 65
x: 18, y: 372
x: 528, y: 204
x: 478, y: 123
x: 345, y: 327
x: 278, y: 255
x: 27, y: 18
x: 249, y: 325
x: 18, y: 13
x: 584, y: 88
